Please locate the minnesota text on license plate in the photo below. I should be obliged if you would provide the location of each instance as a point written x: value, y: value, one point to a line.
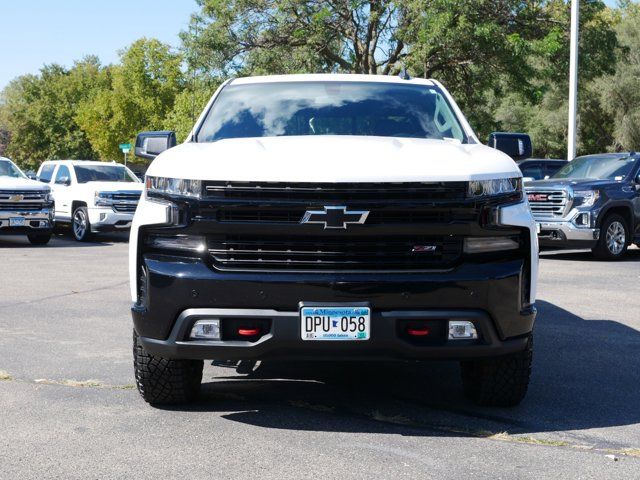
x: 335, y: 323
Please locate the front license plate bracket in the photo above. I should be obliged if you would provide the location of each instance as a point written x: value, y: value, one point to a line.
x: 335, y: 322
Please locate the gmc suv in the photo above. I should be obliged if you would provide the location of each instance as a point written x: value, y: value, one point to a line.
x: 331, y: 217
x: 592, y: 202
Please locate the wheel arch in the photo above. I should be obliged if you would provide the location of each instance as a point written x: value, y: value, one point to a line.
x: 76, y: 204
x: 623, y: 209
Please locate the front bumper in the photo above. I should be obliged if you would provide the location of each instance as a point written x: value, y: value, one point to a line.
x: 179, y: 290
x: 106, y: 219
x: 566, y: 233
x: 283, y: 341
x: 40, y: 221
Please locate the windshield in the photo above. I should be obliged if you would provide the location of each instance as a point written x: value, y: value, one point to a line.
x: 608, y: 167
x: 103, y: 173
x: 330, y: 108
x: 8, y: 169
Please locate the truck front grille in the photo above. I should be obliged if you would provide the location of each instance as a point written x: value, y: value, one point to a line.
x: 125, y: 202
x: 125, y: 207
x: 23, y: 200
x: 314, y: 192
x: 21, y: 206
x: 243, y: 252
x: 548, y: 204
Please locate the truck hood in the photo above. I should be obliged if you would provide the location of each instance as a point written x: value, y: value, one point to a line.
x: 113, y: 186
x: 573, y: 183
x: 10, y: 183
x: 333, y: 159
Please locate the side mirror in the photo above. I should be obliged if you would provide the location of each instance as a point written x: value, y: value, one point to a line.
x: 517, y: 145
x: 151, y: 144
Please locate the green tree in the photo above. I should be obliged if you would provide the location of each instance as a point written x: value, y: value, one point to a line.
x: 542, y: 110
x: 620, y: 92
x: 39, y: 112
x: 291, y: 36
x: 139, y: 95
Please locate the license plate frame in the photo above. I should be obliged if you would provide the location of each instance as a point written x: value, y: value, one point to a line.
x: 17, y: 221
x: 327, y: 323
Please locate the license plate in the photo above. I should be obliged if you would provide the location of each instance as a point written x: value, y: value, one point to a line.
x: 16, y: 222
x: 335, y: 323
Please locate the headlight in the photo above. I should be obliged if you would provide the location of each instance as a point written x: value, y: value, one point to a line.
x: 48, y: 197
x: 499, y: 186
x: 585, y: 198
x: 102, y: 199
x: 173, y: 186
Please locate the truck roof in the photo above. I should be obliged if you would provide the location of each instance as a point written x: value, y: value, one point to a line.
x: 329, y: 77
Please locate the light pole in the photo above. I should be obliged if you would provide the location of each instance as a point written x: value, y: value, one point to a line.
x: 573, y: 79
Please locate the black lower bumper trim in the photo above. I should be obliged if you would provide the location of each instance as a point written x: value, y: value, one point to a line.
x: 283, y: 341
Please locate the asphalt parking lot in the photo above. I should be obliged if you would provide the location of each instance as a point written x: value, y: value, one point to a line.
x: 70, y: 409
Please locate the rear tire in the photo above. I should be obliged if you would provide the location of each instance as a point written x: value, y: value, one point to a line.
x: 41, y: 239
x: 500, y: 381
x: 614, y: 238
x: 164, y: 381
x: 80, y: 225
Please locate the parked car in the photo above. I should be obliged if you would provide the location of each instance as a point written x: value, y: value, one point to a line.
x: 331, y: 217
x: 26, y: 206
x: 539, y: 168
x: 91, y: 196
x: 592, y: 202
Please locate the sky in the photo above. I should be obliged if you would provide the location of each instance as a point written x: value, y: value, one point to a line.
x: 38, y: 32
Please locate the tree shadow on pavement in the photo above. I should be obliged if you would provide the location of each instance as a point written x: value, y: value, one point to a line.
x: 586, y: 375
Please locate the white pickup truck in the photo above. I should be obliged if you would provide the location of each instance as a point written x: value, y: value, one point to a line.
x: 333, y: 217
x: 26, y: 206
x: 92, y: 196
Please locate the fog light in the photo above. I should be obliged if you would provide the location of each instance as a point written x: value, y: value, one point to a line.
x: 206, y: 330
x: 103, y: 216
x: 489, y: 244
x: 462, y: 330
x: 582, y: 219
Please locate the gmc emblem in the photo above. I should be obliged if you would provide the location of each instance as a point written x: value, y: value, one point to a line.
x: 538, y: 197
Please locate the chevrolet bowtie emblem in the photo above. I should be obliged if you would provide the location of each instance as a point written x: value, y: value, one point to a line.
x: 335, y: 217
x: 16, y: 198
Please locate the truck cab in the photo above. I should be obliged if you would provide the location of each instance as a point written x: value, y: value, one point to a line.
x: 90, y: 196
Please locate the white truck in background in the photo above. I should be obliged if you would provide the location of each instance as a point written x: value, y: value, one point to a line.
x: 91, y: 196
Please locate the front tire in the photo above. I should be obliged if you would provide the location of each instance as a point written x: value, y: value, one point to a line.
x: 40, y: 239
x: 80, y: 224
x: 614, y: 238
x: 500, y: 381
x: 163, y: 381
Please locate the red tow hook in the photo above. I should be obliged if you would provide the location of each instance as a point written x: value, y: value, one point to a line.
x: 418, y: 332
x: 248, y: 332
